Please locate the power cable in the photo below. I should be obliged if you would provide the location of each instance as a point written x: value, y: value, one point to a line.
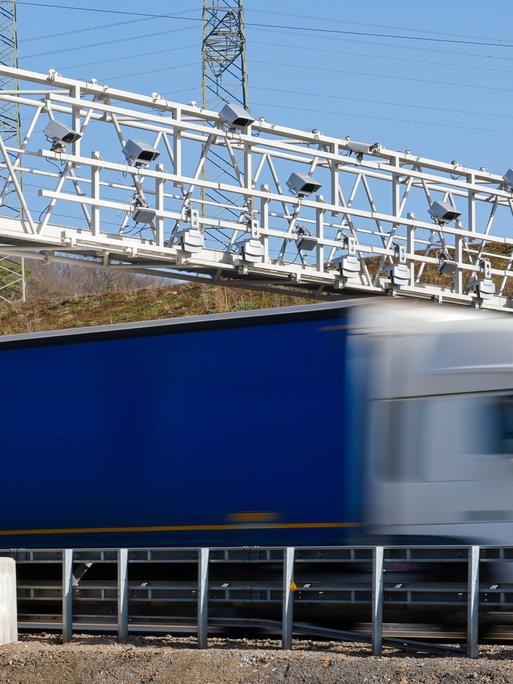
x: 381, y: 118
x: 303, y: 93
x: 368, y: 116
x: 137, y: 55
x: 395, y: 46
x: 310, y: 29
x: 331, y: 20
x: 180, y: 90
x: 402, y: 47
x: 146, y: 71
x: 367, y: 55
x: 351, y: 72
x: 345, y: 21
x: 324, y: 69
x: 96, y: 28
x: 285, y: 45
x: 382, y: 102
x: 106, y: 42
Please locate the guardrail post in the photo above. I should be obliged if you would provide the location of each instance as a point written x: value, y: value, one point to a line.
x: 473, y: 602
x: 67, y: 595
x: 203, y: 555
x: 377, y: 599
x: 288, y: 597
x: 122, y: 594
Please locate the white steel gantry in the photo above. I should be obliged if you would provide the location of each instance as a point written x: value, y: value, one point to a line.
x: 119, y: 180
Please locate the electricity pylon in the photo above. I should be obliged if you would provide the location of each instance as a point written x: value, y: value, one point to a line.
x: 224, y: 72
x: 224, y: 79
x: 12, y: 272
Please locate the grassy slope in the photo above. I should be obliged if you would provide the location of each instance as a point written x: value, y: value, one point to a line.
x: 136, y: 305
x: 161, y: 302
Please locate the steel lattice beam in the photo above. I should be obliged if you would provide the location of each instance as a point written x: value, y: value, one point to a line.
x: 77, y: 203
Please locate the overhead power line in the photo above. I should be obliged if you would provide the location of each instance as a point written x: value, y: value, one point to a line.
x: 311, y: 29
x: 153, y: 71
x: 100, y: 27
x: 408, y: 105
x: 415, y: 79
x: 381, y: 56
x: 342, y: 112
x: 379, y: 117
x: 395, y: 46
x: 136, y: 55
x: 105, y: 42
x: 346, y: 21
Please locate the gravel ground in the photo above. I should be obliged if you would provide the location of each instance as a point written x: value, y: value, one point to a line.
x: 93, y: 660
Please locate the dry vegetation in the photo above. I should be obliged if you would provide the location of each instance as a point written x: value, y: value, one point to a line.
x: 65, y: 296
x: 126, y: 305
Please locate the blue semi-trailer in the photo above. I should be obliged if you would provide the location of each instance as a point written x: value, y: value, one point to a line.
x: 234, y: 429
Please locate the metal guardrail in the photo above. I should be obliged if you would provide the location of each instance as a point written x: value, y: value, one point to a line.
x: 290, y: 558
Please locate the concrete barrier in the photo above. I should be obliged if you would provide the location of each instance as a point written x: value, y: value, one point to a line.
x: 8, y: 611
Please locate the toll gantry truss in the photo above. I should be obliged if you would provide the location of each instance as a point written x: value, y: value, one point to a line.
x: 117, y: 179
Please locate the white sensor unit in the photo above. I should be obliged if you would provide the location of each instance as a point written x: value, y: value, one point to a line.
x: 60, y: 134
x: 235, y: 116
x: 447, y: 266
x: 399, y: 274
x: 144, y: 215
x: 484, y: 288
x: 363, y: 148
x: 305, y: 241
x: 302, y: 184
x: 443, y: 212
x: 250, y: 249
x: 191, y: 240
x: 508, y: 177
x: 139, y: 153
x: 349, y: 266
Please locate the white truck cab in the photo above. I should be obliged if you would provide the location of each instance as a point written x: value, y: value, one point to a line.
x: 439, y: 423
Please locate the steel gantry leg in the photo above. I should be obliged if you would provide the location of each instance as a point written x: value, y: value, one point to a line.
x: 473, y: 602
x: 67, y: 595
x: 122, y: 594
x: 377, y: 599
x: 203, y: 557
x: 288, y: 597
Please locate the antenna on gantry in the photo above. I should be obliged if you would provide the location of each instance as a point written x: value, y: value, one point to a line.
x: 12, y: 272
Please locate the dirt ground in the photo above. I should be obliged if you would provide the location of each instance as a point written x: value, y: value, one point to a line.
x: 42, y: 659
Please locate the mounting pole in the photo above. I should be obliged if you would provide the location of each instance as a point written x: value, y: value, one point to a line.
x: 12, y: 271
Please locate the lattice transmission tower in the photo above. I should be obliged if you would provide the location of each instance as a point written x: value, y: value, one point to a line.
x: 224, y: 80
x: 224, y: 72
x: 12, y: 272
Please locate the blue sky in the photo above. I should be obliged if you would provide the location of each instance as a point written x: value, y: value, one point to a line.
x: 440, y: 99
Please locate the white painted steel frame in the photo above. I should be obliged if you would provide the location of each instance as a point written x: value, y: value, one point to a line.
x: 373, y: 207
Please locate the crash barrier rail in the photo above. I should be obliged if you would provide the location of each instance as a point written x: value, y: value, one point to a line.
x: 379, y: 560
